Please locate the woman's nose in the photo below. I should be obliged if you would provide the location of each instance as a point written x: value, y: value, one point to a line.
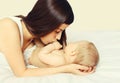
x: 58, y: 37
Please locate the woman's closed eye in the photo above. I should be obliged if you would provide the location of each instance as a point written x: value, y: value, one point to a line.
x: 58, y: 31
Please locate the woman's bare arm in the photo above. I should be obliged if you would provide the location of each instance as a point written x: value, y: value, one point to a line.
x: 10, y: 45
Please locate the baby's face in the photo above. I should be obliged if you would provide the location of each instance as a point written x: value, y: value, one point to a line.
x: 71, y: 52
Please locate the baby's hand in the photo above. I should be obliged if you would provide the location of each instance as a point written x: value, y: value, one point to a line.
x: 57, y: 45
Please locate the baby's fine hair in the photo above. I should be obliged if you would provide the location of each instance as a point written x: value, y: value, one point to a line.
x: 87, y: 54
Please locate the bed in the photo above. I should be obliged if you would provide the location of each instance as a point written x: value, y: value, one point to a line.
x: 108, y: 69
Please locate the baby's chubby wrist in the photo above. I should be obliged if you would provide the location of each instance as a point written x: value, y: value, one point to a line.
x: 57, y: 45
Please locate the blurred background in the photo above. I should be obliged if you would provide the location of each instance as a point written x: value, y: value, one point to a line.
x: 90, y: 15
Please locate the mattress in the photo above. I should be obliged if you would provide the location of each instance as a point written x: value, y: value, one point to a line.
x: 108, y: 69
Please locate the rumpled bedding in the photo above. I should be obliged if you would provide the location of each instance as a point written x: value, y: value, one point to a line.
x: 108, y: 69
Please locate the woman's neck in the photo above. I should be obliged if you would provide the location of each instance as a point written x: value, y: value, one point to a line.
x: 27, y: 37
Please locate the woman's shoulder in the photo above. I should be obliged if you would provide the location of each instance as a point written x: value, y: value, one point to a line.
x: 7, y: 23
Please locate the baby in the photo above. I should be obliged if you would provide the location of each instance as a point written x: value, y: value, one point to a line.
x: 81, y: 52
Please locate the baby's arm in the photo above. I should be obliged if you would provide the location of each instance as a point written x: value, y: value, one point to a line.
x: 34, y: 59
x: 50, y: 47
x: 47, y: 56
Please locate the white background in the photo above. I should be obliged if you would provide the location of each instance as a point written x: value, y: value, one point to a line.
x: 89, y: 14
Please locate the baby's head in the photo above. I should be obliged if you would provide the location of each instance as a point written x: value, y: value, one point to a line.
x: 82, y: 52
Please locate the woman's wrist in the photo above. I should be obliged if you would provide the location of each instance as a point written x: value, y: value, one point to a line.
x: 65, y: 69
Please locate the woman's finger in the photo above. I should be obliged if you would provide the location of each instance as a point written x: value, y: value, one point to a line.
x: 85, y: 73
x: 81, y: 67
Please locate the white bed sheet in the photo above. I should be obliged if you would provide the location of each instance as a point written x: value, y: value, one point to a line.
x: 108, y: 70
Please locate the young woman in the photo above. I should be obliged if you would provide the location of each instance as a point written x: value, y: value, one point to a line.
x: 47, y: 22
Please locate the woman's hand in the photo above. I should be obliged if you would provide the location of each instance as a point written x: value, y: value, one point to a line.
x: 79, y: 69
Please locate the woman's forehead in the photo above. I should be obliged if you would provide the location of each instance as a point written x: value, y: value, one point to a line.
x: 63, y: 27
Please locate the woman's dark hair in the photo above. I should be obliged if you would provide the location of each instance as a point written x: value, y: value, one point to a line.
x: 47, y: 15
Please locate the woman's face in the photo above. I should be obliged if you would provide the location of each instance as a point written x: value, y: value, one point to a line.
x: 54, y: 35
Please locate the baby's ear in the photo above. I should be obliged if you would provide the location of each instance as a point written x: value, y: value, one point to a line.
x: 73, y: 53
